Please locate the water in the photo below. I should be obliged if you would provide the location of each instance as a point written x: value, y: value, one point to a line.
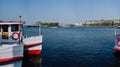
x: 76, y: 47
x: 31, y: 61
x: 79, y: 47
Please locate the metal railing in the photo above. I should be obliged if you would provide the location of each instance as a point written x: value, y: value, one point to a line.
x: 29, y: 31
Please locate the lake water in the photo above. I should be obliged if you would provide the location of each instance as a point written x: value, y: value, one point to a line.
x: 76, y: 47
x: 79, y: 47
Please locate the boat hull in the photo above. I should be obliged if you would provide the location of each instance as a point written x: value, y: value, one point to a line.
x: 117, y: 48
x: 12, y: 64
x: 34, y: 50
x: 33, y: 45
x: 11, y: 53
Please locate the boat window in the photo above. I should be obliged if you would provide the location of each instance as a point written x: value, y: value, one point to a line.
x: 4, y: 31
x: 5, y: 28
x: 14, y: 28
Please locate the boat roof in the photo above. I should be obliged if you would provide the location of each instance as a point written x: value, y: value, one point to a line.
x: 10, y: 22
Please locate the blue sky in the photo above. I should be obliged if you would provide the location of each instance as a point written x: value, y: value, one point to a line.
x: 63, y: 11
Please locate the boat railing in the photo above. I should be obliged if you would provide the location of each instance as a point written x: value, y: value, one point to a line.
x: 30, y: 31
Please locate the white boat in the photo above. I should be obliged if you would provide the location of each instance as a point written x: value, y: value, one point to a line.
x: 33, y: 43
x: 54, y: 27
x: 11, y: 46
x: 117, y: 40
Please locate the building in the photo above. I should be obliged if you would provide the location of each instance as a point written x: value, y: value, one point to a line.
x: 102, y: 23
x: 77, y: 24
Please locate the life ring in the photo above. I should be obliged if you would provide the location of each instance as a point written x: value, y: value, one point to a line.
x: 117, y: 41
x: 15, y: 36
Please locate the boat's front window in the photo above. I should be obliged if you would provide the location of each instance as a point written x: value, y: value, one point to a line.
x: 4, y: 31
x: 14, y: 28
x: 5, y: 28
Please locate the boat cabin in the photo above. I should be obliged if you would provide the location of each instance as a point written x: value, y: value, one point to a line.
x: 10, y: 31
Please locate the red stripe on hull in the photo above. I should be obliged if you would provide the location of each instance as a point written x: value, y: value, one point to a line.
x: 10, y: 59
x: 30, y: 45
x: 33, y: 52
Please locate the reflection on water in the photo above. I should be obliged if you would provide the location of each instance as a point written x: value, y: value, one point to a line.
x: 31, y: 61
x: 117, y: 57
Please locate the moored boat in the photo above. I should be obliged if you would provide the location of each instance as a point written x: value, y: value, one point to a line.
x: 117, y: 41
x: 11, y: 46
x: 33, y: 40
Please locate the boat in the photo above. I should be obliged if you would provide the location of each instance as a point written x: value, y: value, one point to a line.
x: 11, y: 45
x: 54, y: 27
x: 32, y: 40
x: 117, y: 40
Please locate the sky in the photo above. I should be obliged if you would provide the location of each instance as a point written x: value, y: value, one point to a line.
x: 63, y: 11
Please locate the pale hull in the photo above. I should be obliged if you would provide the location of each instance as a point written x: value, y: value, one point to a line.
x: 12, y: 64
x: 33, y: 45
x: 10, y: 53
x: 117, y: 48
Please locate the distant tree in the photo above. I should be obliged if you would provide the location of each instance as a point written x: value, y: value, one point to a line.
x: 71, y: 25
x: 48, y: 24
